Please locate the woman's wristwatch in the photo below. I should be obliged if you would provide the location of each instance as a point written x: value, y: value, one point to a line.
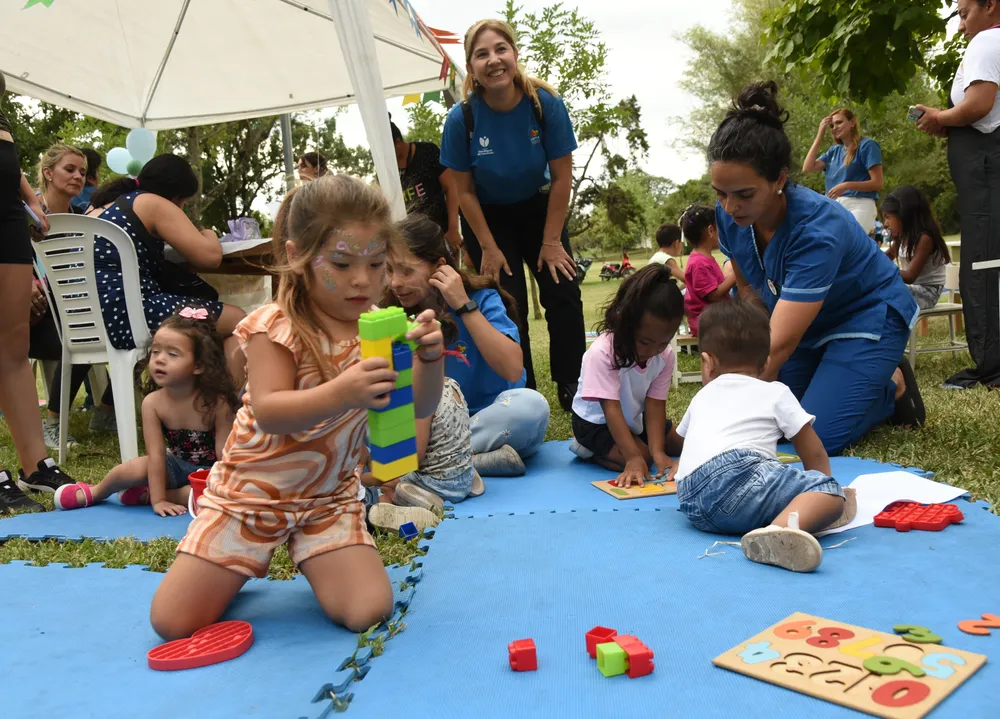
x: 470, y: 306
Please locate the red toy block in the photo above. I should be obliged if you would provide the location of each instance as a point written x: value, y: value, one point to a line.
x: 640, y: 657
x: 209, y: 645
x: 905, y: 516
x: 599, y: 635
x: 523, y: 657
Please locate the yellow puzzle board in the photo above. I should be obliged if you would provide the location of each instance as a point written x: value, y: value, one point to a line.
x: 635, y: 492
x: 831, y: 666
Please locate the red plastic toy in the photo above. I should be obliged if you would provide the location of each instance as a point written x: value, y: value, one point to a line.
x: 640, y: 657
x: 599, y: 635
x: 905, y: 516
x: 523, y: 657
x: 213, y: 644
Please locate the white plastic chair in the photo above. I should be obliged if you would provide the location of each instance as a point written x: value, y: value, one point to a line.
x: 951, y: 310
x: 66, y: 256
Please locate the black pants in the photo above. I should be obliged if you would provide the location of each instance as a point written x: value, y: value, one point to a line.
x: 518, y: 231
x: 45, y: 345
x: 974, y: 161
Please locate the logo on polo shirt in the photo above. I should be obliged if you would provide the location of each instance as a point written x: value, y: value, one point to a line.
x: 535, y: 138
x: 484, y: 147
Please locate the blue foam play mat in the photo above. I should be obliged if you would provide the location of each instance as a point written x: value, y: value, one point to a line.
x: 559, y: 482
x: 74, y: 644
x: 108, y: 520
x: 551, y: 577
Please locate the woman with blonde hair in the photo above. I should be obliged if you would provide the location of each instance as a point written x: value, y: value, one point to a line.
x: 853, y: 166
x: 510, y: 147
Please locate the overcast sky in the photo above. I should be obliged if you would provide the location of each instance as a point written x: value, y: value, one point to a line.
x: 644, y: 59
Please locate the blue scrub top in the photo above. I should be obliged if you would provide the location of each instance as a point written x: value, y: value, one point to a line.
x: 479, y: 383
x: 820, y: 252
x: 868, y: 155
x: 509, y: 155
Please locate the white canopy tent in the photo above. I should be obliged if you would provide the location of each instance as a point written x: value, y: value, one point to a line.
x: 164, y: 64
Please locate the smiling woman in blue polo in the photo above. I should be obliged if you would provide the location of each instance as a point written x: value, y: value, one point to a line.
x: 510, y: 147
x: 840, y: 313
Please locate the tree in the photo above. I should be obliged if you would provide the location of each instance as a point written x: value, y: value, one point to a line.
x: 724, y: 64
x: 426, y: 122
x: 564, y: 48
x: 837, y: 40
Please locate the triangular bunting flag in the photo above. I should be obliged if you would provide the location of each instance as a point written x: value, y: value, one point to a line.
x: 432, y: 96
x: 411, y: 99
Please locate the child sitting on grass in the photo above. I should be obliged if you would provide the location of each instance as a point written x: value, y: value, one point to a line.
x: 729, y: 479
x: 187, y: 416
x: 619, y: 411
x: 705, y: 281
x: 445, y: 474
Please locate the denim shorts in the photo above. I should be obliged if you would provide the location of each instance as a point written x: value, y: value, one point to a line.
x: 178, y: 471
x: 741, y: 490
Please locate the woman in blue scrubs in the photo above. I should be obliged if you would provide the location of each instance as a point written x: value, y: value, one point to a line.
x: 840, y: 313
x: 510, y: 148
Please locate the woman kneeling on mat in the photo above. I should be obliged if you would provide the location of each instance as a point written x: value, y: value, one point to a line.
x: 840, y: 313
x: 479, y: 321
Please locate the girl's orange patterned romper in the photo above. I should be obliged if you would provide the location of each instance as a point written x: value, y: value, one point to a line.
x: 269, y: 489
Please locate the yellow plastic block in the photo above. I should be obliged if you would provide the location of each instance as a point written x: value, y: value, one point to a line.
x: 377, y: 348
x: 394, y: 470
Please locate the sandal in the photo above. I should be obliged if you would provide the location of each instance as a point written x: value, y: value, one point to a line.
x: 909, y: 410
x: 67, y: 496
x: 134, y: 496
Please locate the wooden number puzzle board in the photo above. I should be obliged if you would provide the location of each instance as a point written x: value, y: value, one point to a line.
x: 825, y: 659
x: 658, y: 489
x: 647, y: 490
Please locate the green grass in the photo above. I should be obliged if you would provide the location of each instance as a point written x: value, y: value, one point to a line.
x: 958, y: 443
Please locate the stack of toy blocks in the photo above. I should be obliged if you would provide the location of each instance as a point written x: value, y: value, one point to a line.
x: 619, y: 654
x: 392, y: 430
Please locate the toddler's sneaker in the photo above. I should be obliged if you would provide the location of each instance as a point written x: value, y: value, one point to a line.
x: 786, y: 547
x: 410, y: 495
x: 391, y: 517
x: 478, y: 485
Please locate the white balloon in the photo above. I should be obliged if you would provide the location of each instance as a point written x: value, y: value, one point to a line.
x: 118, y: 159
x: 141, y: 144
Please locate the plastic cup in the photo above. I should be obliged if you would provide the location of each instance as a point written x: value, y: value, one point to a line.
x: 198, y: 481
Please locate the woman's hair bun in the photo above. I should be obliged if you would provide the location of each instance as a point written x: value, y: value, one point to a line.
x: 759, y: 100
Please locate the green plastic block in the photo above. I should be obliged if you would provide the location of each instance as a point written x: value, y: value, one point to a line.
x: 395, y: 425
x: 389, y: 322
x: 388, y: 436
x: 612, y: 660
x: 405, y: 378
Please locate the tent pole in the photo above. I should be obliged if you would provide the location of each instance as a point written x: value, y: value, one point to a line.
x: 286, y: 145
x: 357, y: 43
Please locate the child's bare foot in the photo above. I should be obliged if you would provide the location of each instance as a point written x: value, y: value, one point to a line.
x: 786, y: 547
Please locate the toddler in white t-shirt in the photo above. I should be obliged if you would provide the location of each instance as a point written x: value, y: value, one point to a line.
x: 729, y: 478
x: 619, y: 411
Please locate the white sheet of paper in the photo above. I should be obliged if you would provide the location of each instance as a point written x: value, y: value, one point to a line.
x: 876, y: 491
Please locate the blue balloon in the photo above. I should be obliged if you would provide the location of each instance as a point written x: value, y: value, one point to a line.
x: 118, y: 159
x: 141, y: 144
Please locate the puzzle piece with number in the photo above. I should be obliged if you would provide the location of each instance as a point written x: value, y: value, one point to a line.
x: 896, y: 677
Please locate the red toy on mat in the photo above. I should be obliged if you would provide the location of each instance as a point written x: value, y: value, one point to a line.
x: 523, y: 656
x: 213, y: 644
x: 905, y: 516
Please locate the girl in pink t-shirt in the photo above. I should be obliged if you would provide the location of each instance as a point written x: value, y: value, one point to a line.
x: 704, y: 280
x: 620, y: 408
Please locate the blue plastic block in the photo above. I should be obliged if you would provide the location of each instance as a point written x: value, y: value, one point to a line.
x: 402, y: 356
x: 399, y: 450
x: 408, y: 531
x: 399, y: 398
